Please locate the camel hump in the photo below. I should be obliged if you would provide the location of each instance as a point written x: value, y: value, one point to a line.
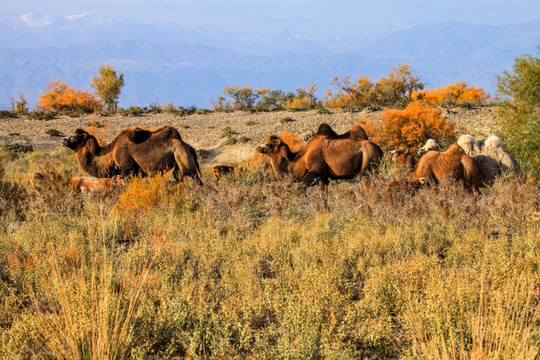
x: 138, y: 135
x: 455, y: 149
x: 356, y: 133
x: 326, y: 130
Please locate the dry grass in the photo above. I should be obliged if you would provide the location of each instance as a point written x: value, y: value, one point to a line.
x: 260, y: 268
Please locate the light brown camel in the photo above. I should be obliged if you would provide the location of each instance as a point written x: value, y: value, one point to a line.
x: 85, y: 184
x: 436, y: 166
x: 136, y: 151
x: 326, y: 155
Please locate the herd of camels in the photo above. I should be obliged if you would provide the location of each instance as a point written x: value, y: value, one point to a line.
x: 327, y: 155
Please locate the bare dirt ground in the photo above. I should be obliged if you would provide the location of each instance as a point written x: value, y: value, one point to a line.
x: 206, y: 131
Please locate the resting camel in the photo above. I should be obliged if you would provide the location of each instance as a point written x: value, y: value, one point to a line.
x: 492, y: 159
x: 220, y: 170
x: 326, y: 155
x: 84, y: 184
x: 436, y: 166
x: 136, y: 151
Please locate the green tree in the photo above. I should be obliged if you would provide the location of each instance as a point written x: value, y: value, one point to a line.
x: 108, y: 85
x: 519, y: 113
x: 243, y: 98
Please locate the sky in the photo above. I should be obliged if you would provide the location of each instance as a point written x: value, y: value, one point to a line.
x: 310, y: 18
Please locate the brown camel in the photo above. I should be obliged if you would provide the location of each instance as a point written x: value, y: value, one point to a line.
x: 220, y: 170
x: 436, y: 166
x: 84, y: 184
x: 136, y: 151
x: 326, y: 155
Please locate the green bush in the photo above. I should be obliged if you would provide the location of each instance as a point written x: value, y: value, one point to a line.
x: 41, y: 115
x: 519, y: 114
x: 53, y: 132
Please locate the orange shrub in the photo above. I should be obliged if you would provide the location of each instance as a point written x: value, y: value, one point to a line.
x: 141, y: 194
x: 458, y: 94
x: 293, y: 140
x: 60, y: 96
x: 410, y: 127
x: 99, y: 132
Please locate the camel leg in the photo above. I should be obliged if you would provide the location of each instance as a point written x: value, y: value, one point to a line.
x: 323, y: 186
x: 312, y: 178
x: 186, y: 161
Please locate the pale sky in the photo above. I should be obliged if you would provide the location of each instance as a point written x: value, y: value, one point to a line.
x: 310, y: 18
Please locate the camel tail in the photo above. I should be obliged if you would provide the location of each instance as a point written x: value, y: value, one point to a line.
x: 194, y: 155
x: 472, y: 175
x: 371, y: 156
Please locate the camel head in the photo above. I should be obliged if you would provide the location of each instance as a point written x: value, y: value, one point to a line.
x: 430, y: 145
x: 402, y: 155
x: 77, y: 140
x: 272, y: 146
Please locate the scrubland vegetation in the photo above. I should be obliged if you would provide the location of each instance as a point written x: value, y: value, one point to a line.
x: 257, y: 267
x: 260, y: 268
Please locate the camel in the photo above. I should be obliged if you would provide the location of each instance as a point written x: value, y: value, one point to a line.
x: 84, y: 184
x: 493, y: 160
x: 220, y: 170
x: 325, y: 156
x: 136, y: 151
x: 435, y: 166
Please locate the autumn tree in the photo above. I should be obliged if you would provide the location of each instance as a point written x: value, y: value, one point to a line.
x: 19, y: 106
x: 304, y: 99
x: 395, y: 89
x: 107, y: 85
x: 59, y: 96
x: 244, y: 97
x: 273, y: 99
x: 351, y: 94
x: 519, y: 113
x: 398, y: 86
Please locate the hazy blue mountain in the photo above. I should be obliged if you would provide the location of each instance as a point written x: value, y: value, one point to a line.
x: 168, y: 63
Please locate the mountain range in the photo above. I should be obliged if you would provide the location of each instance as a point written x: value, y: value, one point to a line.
x: 168, y: 63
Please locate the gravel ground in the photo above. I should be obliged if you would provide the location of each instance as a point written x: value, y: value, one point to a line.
x: 205, y: 131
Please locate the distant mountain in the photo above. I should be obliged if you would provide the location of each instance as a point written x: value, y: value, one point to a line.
x: 180, y: 69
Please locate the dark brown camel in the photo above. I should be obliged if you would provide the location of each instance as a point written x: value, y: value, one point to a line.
x: 436, y: 166
x: 136, y: 151
x: 220, y: 170
x: 326, y: 155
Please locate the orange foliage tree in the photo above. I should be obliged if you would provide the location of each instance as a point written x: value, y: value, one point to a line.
x: 398, y: 86
x: 59, y: 96
x: 411, y: 127
x: 458, y: 94
x: 359, y: 94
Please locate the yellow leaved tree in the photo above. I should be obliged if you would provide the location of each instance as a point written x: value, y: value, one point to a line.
x: 108, y: 85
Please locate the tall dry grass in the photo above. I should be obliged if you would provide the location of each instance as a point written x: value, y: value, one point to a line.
x: 260, y: 268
